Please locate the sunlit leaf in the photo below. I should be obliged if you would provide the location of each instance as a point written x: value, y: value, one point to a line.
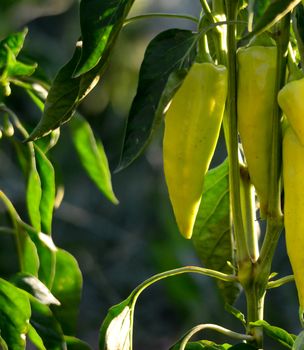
x: 92, y: 156
x: 33, y: 196
x: 116, y: 330
x: 202, y: 345
x: 34, y: 287
x: 276, y: 333
x: 14, y: 42
x: 167, y: 59
x: 100, y: 23
x: 212, y: 229
x: 298, y: 27
x: 15, y: 313
x: 67, y: 288
x: 35, y: 338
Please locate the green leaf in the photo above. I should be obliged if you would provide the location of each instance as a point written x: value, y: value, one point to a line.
x: 47, y: 179
x: 243, y: 346
x: 76, y: 344
x: 15, y: 68
x: 34, y: 287
x: 276, y: 10
x: 47, y: 254
x: 299, y: 342
x: 67, y: 287
x: 276, y: 333
x: 212, y: 229
x: 92, y: 156
x: 14, y: 42
x: 256, y: 9
x: 100, y: 23
x: 116, y: 330
x: 65, y: 95
x: 33, y: 194
x: 35, y: 338
x: 15, y: 313
x: 236, y: 313
x: 47, y: 327
x: 167, y: 59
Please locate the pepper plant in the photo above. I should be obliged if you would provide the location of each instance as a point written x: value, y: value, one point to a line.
x: 251, y: 49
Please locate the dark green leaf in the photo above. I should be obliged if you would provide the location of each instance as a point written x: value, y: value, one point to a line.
x: 169, y: 55
x: 76, y: 344
x: 92, y: 156
x: 14, y: 42
x: 256, y: 9
x: 299, y: 342
x: 15, y: 313
x: 116, y: 329
x: 100, y: 23
x: 298, y: 27
x: 212, y: 229
x: 276, y: 333
x: 65, y: 95
x: 47, y: 179
x: 67, y: 287
x: 276, y: 10
x: 34, y: 287
x: 47, y: 327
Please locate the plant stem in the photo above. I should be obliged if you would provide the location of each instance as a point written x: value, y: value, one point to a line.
x: 161, y: 15
x: 234, y: 171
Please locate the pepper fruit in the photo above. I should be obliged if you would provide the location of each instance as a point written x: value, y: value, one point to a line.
x: 291, y: 101
x: 192, y: 127
x: 293, y: 173
x: 255, y: 101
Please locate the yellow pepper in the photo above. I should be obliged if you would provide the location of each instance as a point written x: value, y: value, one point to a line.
x: 293, y: 174
x: 192, y: 128
x: 291, y: 101
x: 255, y: 101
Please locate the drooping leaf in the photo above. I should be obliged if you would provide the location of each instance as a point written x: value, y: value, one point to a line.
x: 92, y: 156
x: 299, y: 342
x: 47, y: 327
x: 100, y: 23
x: 276, y: 10
x: 236, y: 313
x: 36, y: 288
x: 167, y: 59
x: 47, y: 181
x: 66, y: 93
x: 35, y: 338
x: 212, y: 229
x: 15, y: 312
x: 15, y: 68
x: 76, y: 344
x: 116, y: 330
x: 276, y: 333
x: 67, y: 288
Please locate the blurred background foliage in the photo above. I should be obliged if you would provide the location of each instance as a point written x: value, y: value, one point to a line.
x: 117, y: 247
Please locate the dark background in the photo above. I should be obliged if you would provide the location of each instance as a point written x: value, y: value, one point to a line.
x: 117, y: 247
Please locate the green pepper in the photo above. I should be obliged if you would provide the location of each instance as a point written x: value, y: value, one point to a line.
x: 291, y: 101
x: 192, y: 127
x: 255, y: 101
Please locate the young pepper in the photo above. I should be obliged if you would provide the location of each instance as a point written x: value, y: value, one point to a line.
x: 255, y: 101
x: 291, y: 101
x: 192, y: 128
x: 293, y: 174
